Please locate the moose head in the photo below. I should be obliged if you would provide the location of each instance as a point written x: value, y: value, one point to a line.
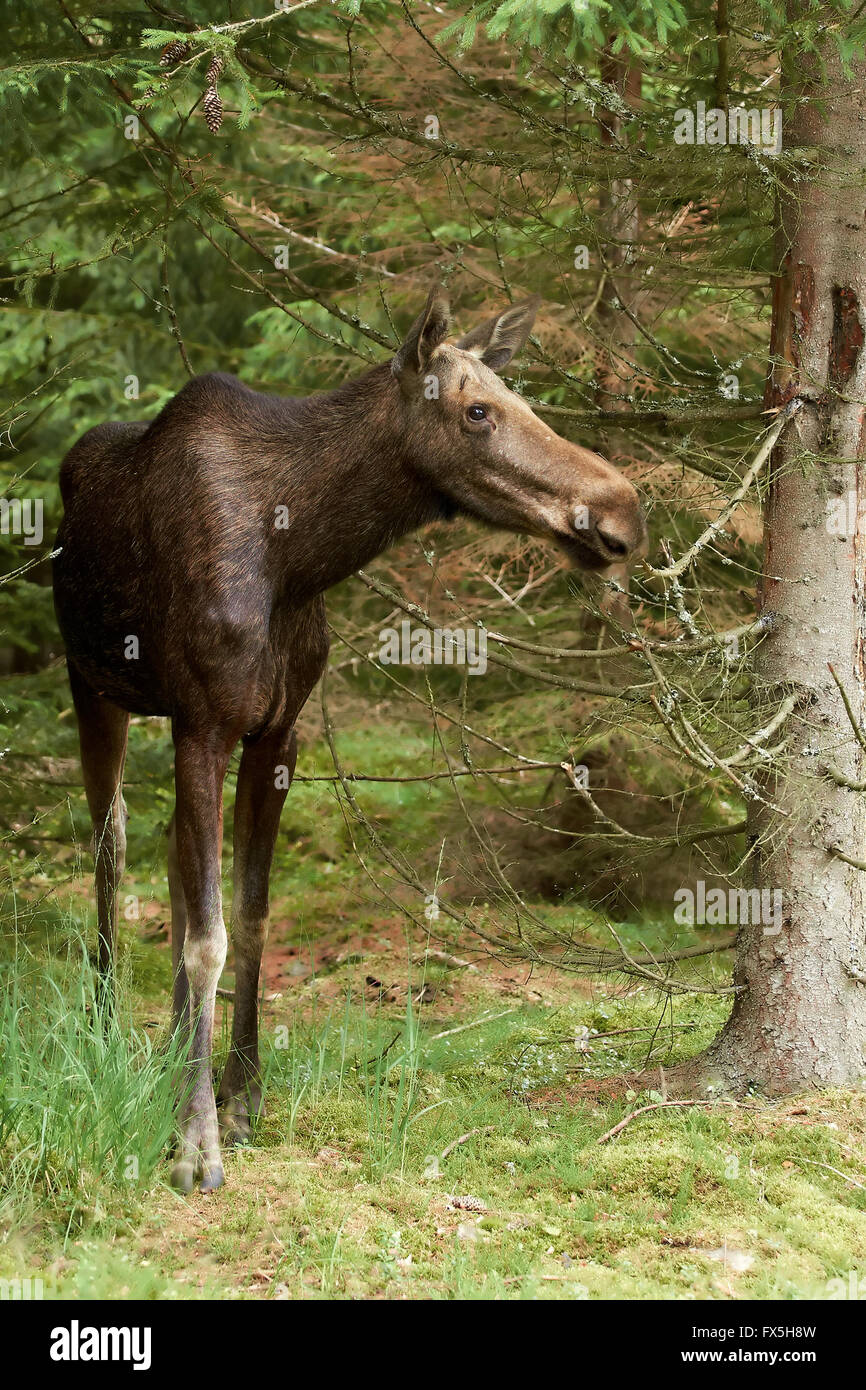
x: 490, y: 456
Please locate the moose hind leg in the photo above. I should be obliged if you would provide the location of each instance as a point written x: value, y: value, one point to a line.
x: 266, y: 770
x: 102, y: 730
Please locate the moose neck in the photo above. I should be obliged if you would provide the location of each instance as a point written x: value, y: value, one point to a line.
x: 347, y: 483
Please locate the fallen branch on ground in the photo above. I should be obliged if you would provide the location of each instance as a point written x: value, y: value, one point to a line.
x: 664, y: 1105
x: 455, y: 1143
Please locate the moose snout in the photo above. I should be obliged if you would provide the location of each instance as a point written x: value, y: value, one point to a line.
x: 613, y: 539
x: 617, y: 534
x: 623, y: 537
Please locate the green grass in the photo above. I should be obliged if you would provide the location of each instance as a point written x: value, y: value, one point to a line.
x: 86, y: 1102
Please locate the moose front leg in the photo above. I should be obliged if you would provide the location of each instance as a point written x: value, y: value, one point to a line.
x: 180, y: 987
x: 200, y: 767
x: 266, y: 770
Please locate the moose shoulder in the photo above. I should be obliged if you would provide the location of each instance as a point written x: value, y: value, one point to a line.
x: 194, y: 553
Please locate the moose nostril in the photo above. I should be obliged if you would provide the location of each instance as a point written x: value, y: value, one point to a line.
x: 611, y: 541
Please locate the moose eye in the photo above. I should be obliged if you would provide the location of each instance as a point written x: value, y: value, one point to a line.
x: 476, y: 413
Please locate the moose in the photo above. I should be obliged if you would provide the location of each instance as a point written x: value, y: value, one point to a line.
x: 192, y: 561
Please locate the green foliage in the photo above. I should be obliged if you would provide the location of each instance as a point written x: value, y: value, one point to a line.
x: 577, y: 27
x: 580, y: 28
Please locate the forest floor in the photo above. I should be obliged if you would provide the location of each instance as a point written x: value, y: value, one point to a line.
x: 399, y: 1090
x: 435, y: 1118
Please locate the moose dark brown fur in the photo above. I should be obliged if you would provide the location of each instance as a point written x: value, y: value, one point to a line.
x: 193, y: 558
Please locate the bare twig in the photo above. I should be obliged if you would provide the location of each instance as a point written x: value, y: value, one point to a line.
x: 770, y: 440
x: 665, y: 1105
x: 455, y: 1143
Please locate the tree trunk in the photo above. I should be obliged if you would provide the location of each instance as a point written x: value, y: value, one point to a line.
x: 619, y: 218
x: 800, y: 1018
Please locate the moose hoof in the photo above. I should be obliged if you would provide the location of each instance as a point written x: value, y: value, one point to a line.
x: 236, y: 1118
x: 186, y: 1173
x: 198, y: 1158
x: 212, y: 1179
x: 183, y: 1175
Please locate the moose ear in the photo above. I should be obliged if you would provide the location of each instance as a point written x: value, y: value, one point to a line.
x: 427, y: 332
x: 497, y: 340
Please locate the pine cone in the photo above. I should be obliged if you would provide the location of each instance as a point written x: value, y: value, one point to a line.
x: 174, y: 52
x: 468, y: 1203
x: 213, y: 107
x: 213, y: 110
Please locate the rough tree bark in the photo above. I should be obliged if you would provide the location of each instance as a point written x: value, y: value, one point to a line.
x: 619, y: 223
x: 800, y: 1019
x: 619, y: 220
